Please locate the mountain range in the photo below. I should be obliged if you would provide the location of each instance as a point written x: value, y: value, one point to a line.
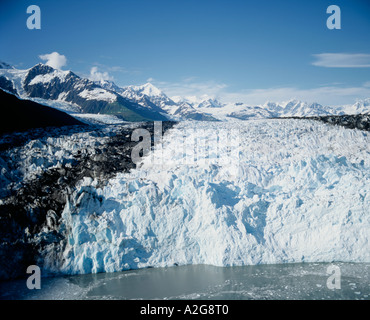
x: 106, y: 102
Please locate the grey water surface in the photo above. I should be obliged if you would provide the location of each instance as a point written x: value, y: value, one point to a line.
x: 283, y: 281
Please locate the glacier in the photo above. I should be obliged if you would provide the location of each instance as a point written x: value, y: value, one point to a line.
x: 297, y: 192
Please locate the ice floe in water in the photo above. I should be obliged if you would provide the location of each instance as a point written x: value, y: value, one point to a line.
x: 285, y: 281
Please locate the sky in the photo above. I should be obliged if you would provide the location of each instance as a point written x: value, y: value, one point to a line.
x: 234, y: 50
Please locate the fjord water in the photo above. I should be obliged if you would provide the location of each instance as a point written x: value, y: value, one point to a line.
x: 283, y: 281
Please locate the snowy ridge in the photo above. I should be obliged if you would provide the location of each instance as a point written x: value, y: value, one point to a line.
x: 210, y: 103
x: 98, y: 94
x: 59, y: 104
x: 299, y: 192
x: 154, y: 99
x: 4, y: 65
x: 45, y: 78
x: 148, y: 89
x: 17, y: 78
x: 360, y: 107
x: 91, y: 118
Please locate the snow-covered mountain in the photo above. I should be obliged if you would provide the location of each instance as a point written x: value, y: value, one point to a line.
x: 146, y: 95
x: 248, y: 112
x: 151, y: 91
x: 202, y: 102
x: 186, y: 110
x: 296, y: 108
x: 7, y: 85
x: 210, y: 103
x: 156, y: 100
x: 360, y: 107
x: 291, y: 108
x: 67, y: 91
x: 4, y: 65
x: 49, y: 84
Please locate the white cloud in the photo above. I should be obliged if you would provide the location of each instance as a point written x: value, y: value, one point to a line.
x: 342, y: 60
x: 54, y: 60
x: 96, y: 75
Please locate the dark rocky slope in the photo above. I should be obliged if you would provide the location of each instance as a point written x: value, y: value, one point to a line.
x: 21, y: 115
x: 358, y: 121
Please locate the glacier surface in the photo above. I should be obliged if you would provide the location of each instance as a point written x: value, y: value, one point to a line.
x: 298, y: 191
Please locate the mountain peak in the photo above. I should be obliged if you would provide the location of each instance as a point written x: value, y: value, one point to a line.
x: 42, y: 68
x: 292, y: 102
x: 151, y: 90
x: 365, y: 102
x: 210, y: 103
x: 4, y: 65
x: 148, y: 89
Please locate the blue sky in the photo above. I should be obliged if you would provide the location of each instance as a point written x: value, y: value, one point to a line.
x: 249, y: 51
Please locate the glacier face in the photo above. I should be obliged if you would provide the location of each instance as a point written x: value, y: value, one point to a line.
x: 299, y: 191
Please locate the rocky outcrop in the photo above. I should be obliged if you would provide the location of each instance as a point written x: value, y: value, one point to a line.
x: 357, y: 121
